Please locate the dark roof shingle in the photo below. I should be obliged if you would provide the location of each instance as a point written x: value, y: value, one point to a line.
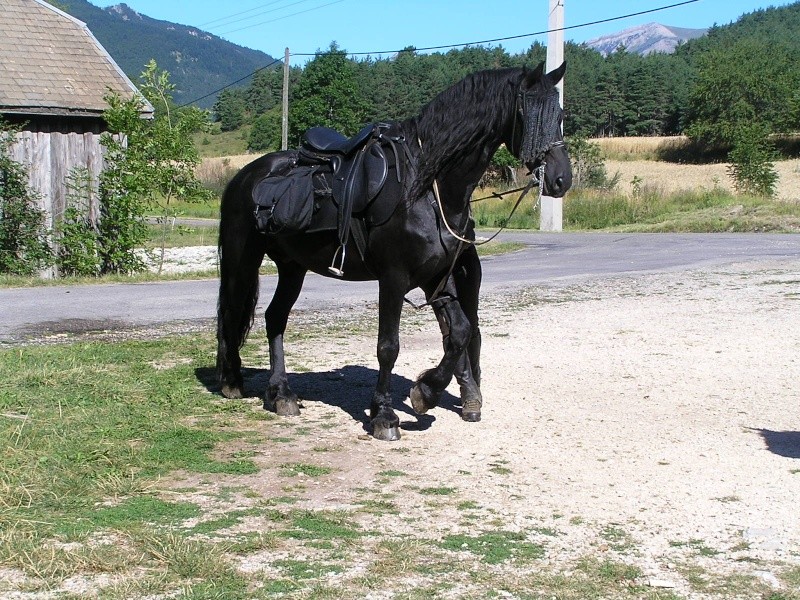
x: 50, y: 63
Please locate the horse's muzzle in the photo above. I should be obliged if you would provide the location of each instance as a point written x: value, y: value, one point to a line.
x: 557, y: 186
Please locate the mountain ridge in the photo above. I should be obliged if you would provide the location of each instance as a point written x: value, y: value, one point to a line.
x: 199, y: 63
x: 645, y: 39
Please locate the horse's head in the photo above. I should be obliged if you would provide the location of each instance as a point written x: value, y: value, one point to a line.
x: 535, y: 136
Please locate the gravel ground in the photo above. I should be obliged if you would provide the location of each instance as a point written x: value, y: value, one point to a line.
x: 666, y: 406
x: 652, y: 419
x: 187, y: 260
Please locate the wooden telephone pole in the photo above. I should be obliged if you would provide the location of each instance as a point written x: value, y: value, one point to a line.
x: 552, y: 210
x: 285, y: 113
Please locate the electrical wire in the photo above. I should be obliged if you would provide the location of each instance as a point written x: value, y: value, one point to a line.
x: 503, y: 39
x: 515, y: 37
x: 244, y: 12
x: 225, y: 87
x: 301, y: 12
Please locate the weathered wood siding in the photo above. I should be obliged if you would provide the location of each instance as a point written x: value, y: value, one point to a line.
x: 50, y: 151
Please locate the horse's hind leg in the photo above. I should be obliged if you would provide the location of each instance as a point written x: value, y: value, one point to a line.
x: 279, y: 397
x: 241, y: 253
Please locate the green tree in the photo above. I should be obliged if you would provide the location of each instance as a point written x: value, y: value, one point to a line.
x: 150, y: 163
x: 265, y: 136
x: 229, y: 109
x: 744, y: 81
x: 752, y: 161
x: 24, y: 247
x: 328, y: 95
x: 78, y: 251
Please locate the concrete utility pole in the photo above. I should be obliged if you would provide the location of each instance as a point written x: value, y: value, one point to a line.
x: 285, y: 113
x: 552, y: 210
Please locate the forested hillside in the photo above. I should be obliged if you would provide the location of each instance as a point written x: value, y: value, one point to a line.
x: 198, y: 62
x: 746, y: 72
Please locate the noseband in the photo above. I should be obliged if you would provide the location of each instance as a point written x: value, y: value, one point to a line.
x: 541, y: 122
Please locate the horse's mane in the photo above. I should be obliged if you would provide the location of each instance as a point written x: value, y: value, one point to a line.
x: 469, y: 114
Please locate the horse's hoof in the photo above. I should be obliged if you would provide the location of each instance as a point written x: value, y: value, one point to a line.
x: 471, y: 411
x: 422, y: 398
x: 385, y: 432
x: 471, y: 416
x: 283, y: 407
x: 287, y: 407
x: 232, y: 392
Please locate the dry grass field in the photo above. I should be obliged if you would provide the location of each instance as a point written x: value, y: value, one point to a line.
x: 630, y: 157
x: 671, y: 177
x: 636, y: 157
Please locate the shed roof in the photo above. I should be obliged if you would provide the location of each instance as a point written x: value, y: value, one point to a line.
x: 51, y: 64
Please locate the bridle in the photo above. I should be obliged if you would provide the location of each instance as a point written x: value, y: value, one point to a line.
x: 540, y: 114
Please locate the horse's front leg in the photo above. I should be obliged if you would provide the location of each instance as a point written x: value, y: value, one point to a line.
x: 279, y: 397
x: 384, y: 421
x: 467, y: 277
x: 456, y: 335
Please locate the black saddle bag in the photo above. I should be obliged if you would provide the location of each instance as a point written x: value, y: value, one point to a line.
x: 285, y: 205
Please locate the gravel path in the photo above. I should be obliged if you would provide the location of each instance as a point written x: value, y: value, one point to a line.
x: 665, y: 407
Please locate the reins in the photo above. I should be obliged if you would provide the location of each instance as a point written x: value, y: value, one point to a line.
x: 463, y: 242
x: 536, y: 180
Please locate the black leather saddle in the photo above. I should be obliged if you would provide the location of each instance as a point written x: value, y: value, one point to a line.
x: 358, y: 170
x: 325, y: 140
x: 332, y: 182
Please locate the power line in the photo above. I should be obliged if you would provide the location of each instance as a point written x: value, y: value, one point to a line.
x: 503, y: 39
x: 225, y: 87
x: 250, y: 17
x: 515, y: 37
x: 244, y: 12
x: 301, y: 12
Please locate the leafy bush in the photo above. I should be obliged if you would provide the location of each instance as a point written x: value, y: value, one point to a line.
x: 752, y: 161
x: 78, y: 239
x: 150, y: 164
x: 24, y: 247
x: 588, y: 168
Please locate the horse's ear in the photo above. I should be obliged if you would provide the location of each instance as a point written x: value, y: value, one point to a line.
x: 557, y: 75
x: 535, y: 76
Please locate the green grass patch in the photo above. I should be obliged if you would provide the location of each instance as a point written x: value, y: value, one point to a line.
x: 714, y: 210
x: 437, y: 491
x: 392, y: 473
x: 651, y: 210
x: 495, y: 547
x: 9, y: 281
x: 320, y: 526
x: 294, y: 469
x: 182, y: 236
x: 230, y: 519
x: 130, y: 514
x: 92, y: 420
x: 495, y: 248
x: 222, y: 143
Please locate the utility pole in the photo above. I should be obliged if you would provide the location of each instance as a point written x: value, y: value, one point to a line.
x: 552, y: 210
x: 285, y: 113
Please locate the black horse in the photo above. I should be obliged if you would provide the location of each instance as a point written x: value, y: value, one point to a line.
x: 439, y: 156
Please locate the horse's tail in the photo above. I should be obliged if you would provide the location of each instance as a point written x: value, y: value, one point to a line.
x: 240, y: 254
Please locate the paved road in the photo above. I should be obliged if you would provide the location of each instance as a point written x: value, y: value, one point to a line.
x: 547, y: 258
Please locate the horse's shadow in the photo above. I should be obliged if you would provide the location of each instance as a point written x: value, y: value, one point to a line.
x: 782, y: 443
x: 349, y: 388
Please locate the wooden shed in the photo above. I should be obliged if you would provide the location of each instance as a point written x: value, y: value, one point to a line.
x: 53, y: 77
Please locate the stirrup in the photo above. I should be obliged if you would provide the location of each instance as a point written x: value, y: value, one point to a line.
x: 332, y: 269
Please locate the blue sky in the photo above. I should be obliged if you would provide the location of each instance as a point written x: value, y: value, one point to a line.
x: 305, y: 26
